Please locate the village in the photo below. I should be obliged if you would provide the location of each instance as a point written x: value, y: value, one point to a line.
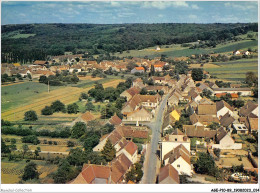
x: 172, y: 127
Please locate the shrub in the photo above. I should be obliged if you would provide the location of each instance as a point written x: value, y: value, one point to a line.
x: 30, y: 116
x: 47, y: 110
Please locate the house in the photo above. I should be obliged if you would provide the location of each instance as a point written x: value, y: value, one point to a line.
x: 195, y: 96
x: 130, y: 151
x: 252, y: 124
x: 169, y: 143
x: 243, y: 91
x: 206, y: 86
x: 168, y: 175
x: 157, y: 48
x: 205, y: 101
x: 40, y: 62
x: 240, y: 128
x: 222, y: 108
x: 158, y: 67
x: 115, y: 120
x: 249, y: 109
x: 225, y: 141
x: 85, y: 118
x: 98, y: 174
x: 174, y: 98
x: 93, y: 174
x: 226, y: 120
x: 148, y: 101
x: 246, y: 53
x: 138, y: 69
x: 159, y: 80
x: 202, y: 120
x: 138, y: 115
x: 132, y: 132
x: 207, y: 109
x: 157, y: 89
x: 138, y: 83
x: 167, y: 123
x: 236, y: 52
x: 120, y: 166
x: 198, y: 132
x: 179, y: 158
x: 177, y: 136
x: 129, y: 93
x: 115, y: 137
x: 175, y: 115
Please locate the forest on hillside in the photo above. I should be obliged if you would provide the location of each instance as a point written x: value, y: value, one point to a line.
x: 28, y: 42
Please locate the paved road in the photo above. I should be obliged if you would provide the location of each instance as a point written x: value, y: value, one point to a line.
x: 150, y: 158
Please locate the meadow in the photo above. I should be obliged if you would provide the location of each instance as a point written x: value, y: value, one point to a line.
x: 17, y: 99
x: 233, y: 70
x: 177, y: 51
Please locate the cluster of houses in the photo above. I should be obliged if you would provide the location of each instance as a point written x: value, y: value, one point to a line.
x: 126, y: 152
x: 175, y: 148
x: 76, y: 63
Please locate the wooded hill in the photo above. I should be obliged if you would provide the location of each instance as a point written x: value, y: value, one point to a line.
x: 28, y: 42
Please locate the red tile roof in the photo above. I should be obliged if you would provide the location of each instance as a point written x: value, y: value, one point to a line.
x: 169, y: 171
x: 92, y: 171
x: 131, y: 148
x: 115, y: 120
x: 139, y: 68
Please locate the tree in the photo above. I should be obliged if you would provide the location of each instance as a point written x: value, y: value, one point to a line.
x: 197, y: 74
x: 30, y: 116
x: 47, y: 110
x: 30, y: 172
x: 119, y: 102
x: 4, y: 147
x: 73, y: 108
x: 214, y: 126
x: 152, y: 70
x: 108, y: 152
x: 78, y: 130
x: 70, y: 144
x: 58, y: 106
x: 84, y: 96
x: 205, y: 164
x: 36, y: 152
x: 161, y: 92
x: 13, y: 141
x: 29, y: 76
x: 43, y: 79
x: 25, y: 149
x: 90, y: 106
x: 65, y: 172
x: 207, y: 93
x: 251, y: 79
x: 217, y: 152
x: 143, y: 91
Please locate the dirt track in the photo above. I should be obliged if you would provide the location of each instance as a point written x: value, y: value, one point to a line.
x: 66, y: 95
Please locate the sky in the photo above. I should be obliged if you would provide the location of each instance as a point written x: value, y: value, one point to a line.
x: 117, y: 12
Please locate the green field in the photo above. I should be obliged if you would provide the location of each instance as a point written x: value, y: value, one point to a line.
x: 20, y: 94
x: 234, y: 70
x: 178, y: 51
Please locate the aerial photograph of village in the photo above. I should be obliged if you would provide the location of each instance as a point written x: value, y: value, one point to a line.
x: 129, y: 92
